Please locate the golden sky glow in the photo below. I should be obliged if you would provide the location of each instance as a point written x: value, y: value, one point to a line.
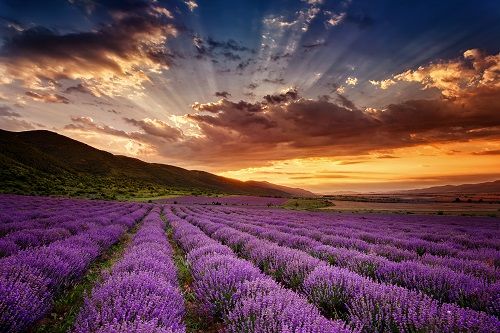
x: 400, y: 169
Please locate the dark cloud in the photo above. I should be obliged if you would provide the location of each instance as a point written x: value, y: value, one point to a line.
x: 106, y: 60
x: 315, y: 45
x: 244, y: 64
x: 345, y: 102
x: 47, y: 97
x: 79, y: 88
x: 350, y: 162
x: 231, y: 56
x: 488, y: 152
x: 87, y: 123
x: 279, y: 56
x: 288, y: 95
x: 386, y: 156
x: 153, y: 132
x: 230, y: 45
x: 284, y: 126
x: 156, y: 128
x: 6, y: 111
x: 223, y: 94
x: 214, y: 49
x: 252, y: 86
x: 274, y: 81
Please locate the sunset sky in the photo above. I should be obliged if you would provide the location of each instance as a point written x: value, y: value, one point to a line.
x: 325, y: 95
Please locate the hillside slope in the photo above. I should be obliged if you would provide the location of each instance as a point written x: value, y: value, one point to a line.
x: 44, y: 162
x: 295, y: 191
x: 488, y: 187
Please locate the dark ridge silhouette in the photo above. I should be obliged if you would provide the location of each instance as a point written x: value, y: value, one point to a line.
x: 44, y: 162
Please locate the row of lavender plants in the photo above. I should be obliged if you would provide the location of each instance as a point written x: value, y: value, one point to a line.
x: 234, y: 291
x: 376, y: 250
x: 140, y: 293
x: 30, y: 279
x: 439, y: 282
x: 31, y: 224
x: 478, y: 242
x: 400, y: 242
x: 339, y: 293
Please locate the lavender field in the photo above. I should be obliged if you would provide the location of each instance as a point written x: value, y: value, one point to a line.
x: 189, y: 267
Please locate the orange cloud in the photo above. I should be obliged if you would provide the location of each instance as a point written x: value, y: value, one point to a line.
x: 47, y: 98
x: 116, y: 59
x: 454, y: 78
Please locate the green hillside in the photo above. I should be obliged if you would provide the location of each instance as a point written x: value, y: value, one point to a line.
x: 46, y: 163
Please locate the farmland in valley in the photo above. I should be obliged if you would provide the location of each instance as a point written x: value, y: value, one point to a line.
x: 72, y: 265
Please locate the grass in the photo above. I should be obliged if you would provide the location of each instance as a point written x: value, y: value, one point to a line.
x: 195, y: 323
x: 306, y: 204
x: 68, y: 303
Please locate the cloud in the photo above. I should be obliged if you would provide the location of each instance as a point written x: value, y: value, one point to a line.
x: 488, y: 152
x: 11, y: 121
x: 6, y: 111
x: 352, y: 81
x: 87, y: 123
x: 350, y: 162
x: 286, y: 125
x: 287, y: 95
x: 296, y: 127
x: 301, y: 20
x: 274, y: 81
x: 213, y: 49
x: 192, y: 5
x: 385, y: 156
x: 79, y: 88
x: 113, y: 59
x: 383, y: 84
x: 16, y: 124
x: 316, y: 44
x: 345, y: 102
x: 47, y: 97
x: 455, y: 78
x: 334, y: 19
x: 223, y: 94
x: 156, y: 128
x: 152, y: 135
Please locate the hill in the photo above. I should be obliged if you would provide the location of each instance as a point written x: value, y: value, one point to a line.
x: 46, y: 163
x: 295, y: 191
x: 488, y: 187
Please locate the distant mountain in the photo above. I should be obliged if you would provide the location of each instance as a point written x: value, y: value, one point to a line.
x: 295, y: 191
x: 488, y: 187
x: 44, y: 162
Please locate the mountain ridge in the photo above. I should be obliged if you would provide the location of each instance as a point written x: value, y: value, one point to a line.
x: 48, y: 163
x: 484, y: 187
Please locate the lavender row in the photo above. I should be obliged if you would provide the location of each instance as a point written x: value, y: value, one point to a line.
x: 339, y: 293
x: 279, y: 231
x: 63, y: 227
x: 440, y: 283
x: 466, y: 245
x: 30, y: 279
x: 28, y: 209
x: 40, y: 222
x: 141, y: 292
x: 378, y: 241
x: 235, y: 291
